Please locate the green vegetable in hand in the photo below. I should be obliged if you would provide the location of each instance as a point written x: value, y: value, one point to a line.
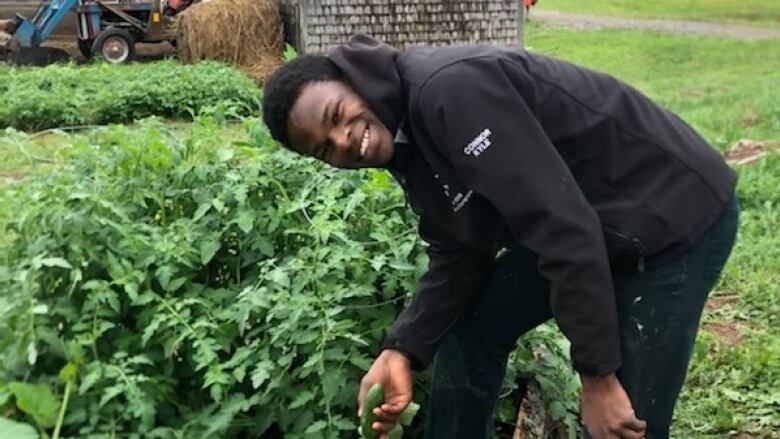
x: 408, y: 414
x: 374, y: 398
x: 396, y: 433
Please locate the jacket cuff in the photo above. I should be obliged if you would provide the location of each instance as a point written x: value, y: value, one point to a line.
x: 597, y: 369
x: 419, y: 358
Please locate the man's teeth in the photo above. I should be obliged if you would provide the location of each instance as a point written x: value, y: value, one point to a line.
x: 364, y: 143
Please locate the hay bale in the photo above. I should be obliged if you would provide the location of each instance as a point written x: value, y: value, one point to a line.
x: 246, y: 33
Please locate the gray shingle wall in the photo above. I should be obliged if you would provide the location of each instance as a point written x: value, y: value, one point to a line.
x: 318, y: 25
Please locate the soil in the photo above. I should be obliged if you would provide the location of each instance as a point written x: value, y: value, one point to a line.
x: 746, y: 151
x: 35, y: 56
x: 729, y: 331
x: 67, y: 44
x: 721, y: 300
x: 585, y: 21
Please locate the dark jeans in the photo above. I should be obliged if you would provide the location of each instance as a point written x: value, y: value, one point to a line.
x: 658, y: 311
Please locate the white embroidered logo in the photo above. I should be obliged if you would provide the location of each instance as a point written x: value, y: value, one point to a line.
x: 459, y: 200
x: 480, y: 143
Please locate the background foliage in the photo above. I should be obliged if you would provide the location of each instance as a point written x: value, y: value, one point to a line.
x: 67, y: 95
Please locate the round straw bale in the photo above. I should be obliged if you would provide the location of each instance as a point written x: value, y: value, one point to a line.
x: 246, y: 33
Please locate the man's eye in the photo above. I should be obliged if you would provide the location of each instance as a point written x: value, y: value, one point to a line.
x: 336, y: 116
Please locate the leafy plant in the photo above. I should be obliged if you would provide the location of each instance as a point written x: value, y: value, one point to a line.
x: 204, y: 289
x: 67, y: 95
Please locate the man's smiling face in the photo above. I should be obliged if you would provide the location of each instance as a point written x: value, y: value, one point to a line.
x: 330, y: 122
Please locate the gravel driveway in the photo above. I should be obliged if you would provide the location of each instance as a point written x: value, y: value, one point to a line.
x: 584, y: 21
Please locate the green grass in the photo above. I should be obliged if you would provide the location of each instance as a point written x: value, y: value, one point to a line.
x: 752, y: 12
x: 726, y: 88
x: 21, y: 154
x: 734, y: 383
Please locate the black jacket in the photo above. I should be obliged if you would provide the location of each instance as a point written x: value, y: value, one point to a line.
x: 508, y: 148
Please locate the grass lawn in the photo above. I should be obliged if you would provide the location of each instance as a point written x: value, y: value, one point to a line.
x: 727, y: 89
x: 21, y: 153
x: 753, y: 12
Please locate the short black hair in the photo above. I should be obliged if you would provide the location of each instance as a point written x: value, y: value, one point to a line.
x: 284, y: 86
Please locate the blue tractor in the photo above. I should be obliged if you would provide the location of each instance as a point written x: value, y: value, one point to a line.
x: 109, y: 28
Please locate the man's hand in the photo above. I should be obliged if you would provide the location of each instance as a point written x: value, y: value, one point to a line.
x: 606, y: 409
x: 393, y: 371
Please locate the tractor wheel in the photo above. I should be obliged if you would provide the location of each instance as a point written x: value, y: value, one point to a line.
x: 85, y: 47
x: 115, y: 45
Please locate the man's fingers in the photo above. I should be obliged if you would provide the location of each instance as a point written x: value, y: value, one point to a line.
x: 632, y: 428
x: 395, y: 407
x: 627, y: 433
x: 385, y: 416
x: 383, y: 426
x: 636, y: 425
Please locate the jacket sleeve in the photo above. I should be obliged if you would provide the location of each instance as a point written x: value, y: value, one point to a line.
x: 478, y: 119
x: 453, y: 278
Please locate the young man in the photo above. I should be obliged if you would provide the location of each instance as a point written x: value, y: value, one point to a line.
x: 545, y: 190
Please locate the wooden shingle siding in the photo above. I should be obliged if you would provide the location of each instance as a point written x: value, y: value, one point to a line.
x: 315, y: 26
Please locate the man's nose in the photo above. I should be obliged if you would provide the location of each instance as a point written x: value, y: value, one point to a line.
x: 340, y: 137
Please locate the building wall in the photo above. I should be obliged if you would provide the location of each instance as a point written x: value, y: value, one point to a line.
x: 315, y: 26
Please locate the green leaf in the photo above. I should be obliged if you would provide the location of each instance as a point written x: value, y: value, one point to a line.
x: 316, y: 426
x: 32, y: 353
x: 208, y: 249
x: 38, y: 401
x: 225, y: 154
x: 55, y: 262
x: 302, y: 398
x: 245, y: 220
x: 261, y: 373
x: 402, y: 265
x: 68, y: 372
x: 202, y: 209
x: 16, y: 430
x: 280, y: 277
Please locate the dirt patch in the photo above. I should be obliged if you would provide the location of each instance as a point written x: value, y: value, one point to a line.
x: 35, y: 56
x: 746, y: 151
x: 719, y: 301
x: 586, y: 21
x: 143, y: 51
x: 694, y: 93
x: 729, y: 331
